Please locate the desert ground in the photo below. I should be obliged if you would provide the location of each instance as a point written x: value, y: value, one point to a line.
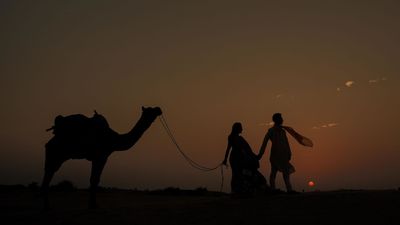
x: 134, y: 207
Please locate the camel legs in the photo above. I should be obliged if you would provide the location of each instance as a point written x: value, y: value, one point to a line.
x: 97, y: 169
x: 49, y: 171
x: 44, y: 191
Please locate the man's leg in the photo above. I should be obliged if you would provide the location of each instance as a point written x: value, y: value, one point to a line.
x: 286, y: 178
x: 272, y: 177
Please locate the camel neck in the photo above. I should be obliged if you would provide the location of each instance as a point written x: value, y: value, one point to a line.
x: 126, y: 141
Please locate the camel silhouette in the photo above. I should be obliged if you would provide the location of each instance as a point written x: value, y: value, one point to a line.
x: 80, y: 137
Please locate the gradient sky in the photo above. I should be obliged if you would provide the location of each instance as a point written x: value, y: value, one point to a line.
x: 330, y: 67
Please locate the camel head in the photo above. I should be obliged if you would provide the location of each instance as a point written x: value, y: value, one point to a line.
x: 151, y: 112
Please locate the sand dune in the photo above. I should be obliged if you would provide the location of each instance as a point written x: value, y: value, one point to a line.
x: 127, y: 207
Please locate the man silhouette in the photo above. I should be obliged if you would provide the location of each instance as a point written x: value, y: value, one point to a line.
x: 280, y: 153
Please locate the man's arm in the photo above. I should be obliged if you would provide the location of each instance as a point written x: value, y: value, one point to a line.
x: 263, y: 146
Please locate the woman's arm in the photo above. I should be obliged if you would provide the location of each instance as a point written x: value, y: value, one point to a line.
x: 228, y: 149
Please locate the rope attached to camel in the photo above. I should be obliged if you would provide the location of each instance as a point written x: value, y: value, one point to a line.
x: 191, y: 162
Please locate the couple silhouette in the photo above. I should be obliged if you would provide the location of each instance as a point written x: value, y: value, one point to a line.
x: 245, y: 163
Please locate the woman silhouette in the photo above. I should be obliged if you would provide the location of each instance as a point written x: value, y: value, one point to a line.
x: 243, y: 161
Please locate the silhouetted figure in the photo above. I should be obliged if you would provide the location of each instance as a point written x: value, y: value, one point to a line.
x: 244, y: 163
x: 79, y: 137
x: 280, y: 152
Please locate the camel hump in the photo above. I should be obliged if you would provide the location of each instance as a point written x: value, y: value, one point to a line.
x: 78, y: 124
x: 99, y: 121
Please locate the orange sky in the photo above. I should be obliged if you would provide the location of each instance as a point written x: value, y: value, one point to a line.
x: 330, y: 68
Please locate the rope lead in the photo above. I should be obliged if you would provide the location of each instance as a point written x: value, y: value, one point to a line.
x: 186, y: 157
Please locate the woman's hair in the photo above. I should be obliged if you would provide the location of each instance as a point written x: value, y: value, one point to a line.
x: 236, y: 128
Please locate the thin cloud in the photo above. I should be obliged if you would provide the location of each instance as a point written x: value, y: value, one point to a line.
x: 323, y: 126
x: 373, y: 81
x: 269, y: 124
x: 349, y: 83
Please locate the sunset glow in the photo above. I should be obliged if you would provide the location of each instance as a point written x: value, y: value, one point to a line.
x: 329, y: 67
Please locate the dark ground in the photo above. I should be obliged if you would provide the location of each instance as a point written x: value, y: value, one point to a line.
x: 127, y: 207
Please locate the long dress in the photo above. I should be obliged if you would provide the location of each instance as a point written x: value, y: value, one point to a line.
x: 244, y: 164
x: 280, y: 151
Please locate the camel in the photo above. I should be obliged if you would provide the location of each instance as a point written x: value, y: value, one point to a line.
x: 80, y: 137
